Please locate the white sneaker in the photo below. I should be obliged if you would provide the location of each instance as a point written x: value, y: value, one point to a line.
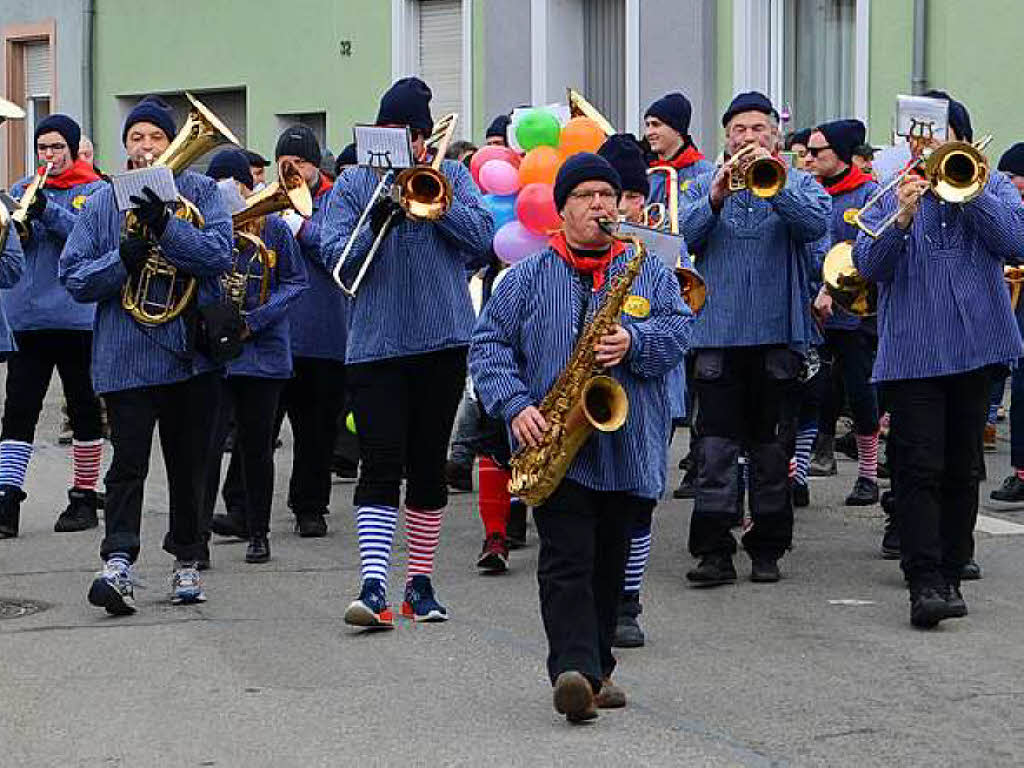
x: 114, y: 589
x: 186, y: 585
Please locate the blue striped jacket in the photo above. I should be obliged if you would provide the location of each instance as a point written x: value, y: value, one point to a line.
x: 39, y: 301
x: 126, y: 354
x: 752, y: 255
x: 943, y: 307
x: 415, y: 297
x: 524, y: 339
x: 12, y: 265
x: 267, y: 353
x: 319, y: 318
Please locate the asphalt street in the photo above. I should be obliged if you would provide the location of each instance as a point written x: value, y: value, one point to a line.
x: 820, y: 669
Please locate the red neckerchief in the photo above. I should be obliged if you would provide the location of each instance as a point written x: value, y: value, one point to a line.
x: 325, y: 186
x: 79, y: 173
x: 855, y: 178
x: 594, y: 267
x: 684, y: 159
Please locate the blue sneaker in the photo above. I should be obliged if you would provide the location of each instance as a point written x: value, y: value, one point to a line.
x: 113, y: 589
x: 186, y: 586
x: 420, y: 603
x: 371, y: 609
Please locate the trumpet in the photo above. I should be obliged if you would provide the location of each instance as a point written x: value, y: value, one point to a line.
x: 956, y: 170
x: 19, y: 217
x: 763, y: 176
x: 252, y: 260
x: 423, y: 192
x: 844, y: 283
x: 157, y: 293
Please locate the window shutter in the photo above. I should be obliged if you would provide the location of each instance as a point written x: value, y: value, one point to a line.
x: 604, y: 58
x: 38, y: 77
x: 440, y: 54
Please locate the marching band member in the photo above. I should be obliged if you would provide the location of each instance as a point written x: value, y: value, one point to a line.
x: 1012, y: 489
x: 497, y: 131
x: 748, y: 339
x: 51, y: 331
x: 850, y: 340
x: 524, y: 339
x: 150, y: 375
x: 254, y: 381
x: 796, y: 143
x: 941, y: 337
x: 313, y: 398
x: 12, y: 266
x: 627, y: 158
x: 409, y: 329
x: 258, y: 165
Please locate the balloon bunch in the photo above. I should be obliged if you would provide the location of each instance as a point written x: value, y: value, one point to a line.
x: 519, y: 189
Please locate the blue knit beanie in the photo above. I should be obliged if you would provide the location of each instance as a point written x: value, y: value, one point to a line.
x: 154, y: 110
x: 624, y: 154
x: 63, y: 125
x: 581, y: 167
x: 407, y: 102
x: 231, y: 163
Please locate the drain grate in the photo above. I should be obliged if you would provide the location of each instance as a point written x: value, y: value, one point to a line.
x: 16, y: 607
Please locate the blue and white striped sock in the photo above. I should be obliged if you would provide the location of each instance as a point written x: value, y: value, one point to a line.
x: 14, y: 458
x: 636, y: 563
x: 375, y: 527
x: 993, y: 412
x: 804, y: 444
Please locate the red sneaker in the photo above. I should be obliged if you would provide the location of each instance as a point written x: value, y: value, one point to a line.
x: 494, y: 556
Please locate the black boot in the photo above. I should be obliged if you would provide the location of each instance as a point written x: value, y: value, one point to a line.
x: 711, y: 571
x: 515, y: 531
x: 891, y: 536
x: 310, y: 524
x: 80, y: 514
x: 258, y: 550
x: 11, y: 497
x: 801, y: 495
x: 627, y: 629
x: 864, y: 493
x: 928, y: 606
x: 957, y: 606
x: 823, y: 459
x: 231, y: 524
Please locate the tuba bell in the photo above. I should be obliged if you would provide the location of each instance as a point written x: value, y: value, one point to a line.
x: 763, y: 176
x: 844, y: 283
x: 157, y: 293
x: 252, y: 260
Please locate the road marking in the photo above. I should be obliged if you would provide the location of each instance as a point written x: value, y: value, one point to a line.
x: 851, y: 601
x: 997, y: 526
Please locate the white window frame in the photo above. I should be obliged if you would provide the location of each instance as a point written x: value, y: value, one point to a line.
x: 751, y: 46
x: 405, y: 18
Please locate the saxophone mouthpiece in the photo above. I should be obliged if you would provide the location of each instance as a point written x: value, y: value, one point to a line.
x: 609, y: 226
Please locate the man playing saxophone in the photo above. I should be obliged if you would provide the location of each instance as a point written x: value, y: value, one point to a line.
x: 525, y: 337
x: 749, y: 339
x: 150, y: 374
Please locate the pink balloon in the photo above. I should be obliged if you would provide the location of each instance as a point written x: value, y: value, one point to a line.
x: 491, y: 152
x: 514, y: 242
x: 499, y: 177
x: 535, y: 209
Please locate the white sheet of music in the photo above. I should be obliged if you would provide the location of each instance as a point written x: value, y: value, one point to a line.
x: 383, y: 147
x: 159, y: 179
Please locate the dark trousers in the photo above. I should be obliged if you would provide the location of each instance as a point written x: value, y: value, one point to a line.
x: 312, y: 400
x: 935, y: 441
x: 741, y: 392
x: 28, y: 377
x: 852, y: 354
x: 801, y: 405
x: 1017, y: 416
x: 253, y: 401
x: 584, y: 542
x: 184, y: 411
x: 404, y: 409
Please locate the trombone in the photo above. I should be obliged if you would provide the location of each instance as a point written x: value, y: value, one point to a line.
x: 763, y: 176
x: 423, y: 192
x: 956, y: 170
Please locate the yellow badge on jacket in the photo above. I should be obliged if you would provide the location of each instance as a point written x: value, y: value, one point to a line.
x: 78, y: 202
x: 684, y: 185
x: 850, y: 215
x: 637, y: 306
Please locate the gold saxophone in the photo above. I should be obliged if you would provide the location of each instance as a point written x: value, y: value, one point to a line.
x: 582, y: 400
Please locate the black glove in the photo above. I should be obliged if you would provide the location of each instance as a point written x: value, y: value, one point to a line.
x: 38, y: 205
x: 151, y: 211
x: 134, y: 251
x: 383, y: 210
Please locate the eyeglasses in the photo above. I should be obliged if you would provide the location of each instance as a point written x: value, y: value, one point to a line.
x: 51, y: 147
x: 605, y: 196
x: 815, y: 151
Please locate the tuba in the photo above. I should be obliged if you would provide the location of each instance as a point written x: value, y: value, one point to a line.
x: 763, y: 176
x: 583, y: 399
x: 845, y: 285
x: 666, y: 216
x: 157, y: 293
x: 423, y: 192
x: 252, y: 260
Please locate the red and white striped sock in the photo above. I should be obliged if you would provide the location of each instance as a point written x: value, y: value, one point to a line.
x: 422, y: 534
x: 86, y: 456
x: 867, y: 456
x: 1019, y: 472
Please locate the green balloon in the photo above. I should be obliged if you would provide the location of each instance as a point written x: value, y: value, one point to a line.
x: 538, y: 128
x: 350, y: 422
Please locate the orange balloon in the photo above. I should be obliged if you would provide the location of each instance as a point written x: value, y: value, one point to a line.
x: 581, y: 134
x: 540, y: 166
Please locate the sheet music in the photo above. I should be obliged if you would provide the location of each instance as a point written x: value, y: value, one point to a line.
x: 667, y: 247
x: 920, y: 112
x: 159, y: 179
x: 383, y: 147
